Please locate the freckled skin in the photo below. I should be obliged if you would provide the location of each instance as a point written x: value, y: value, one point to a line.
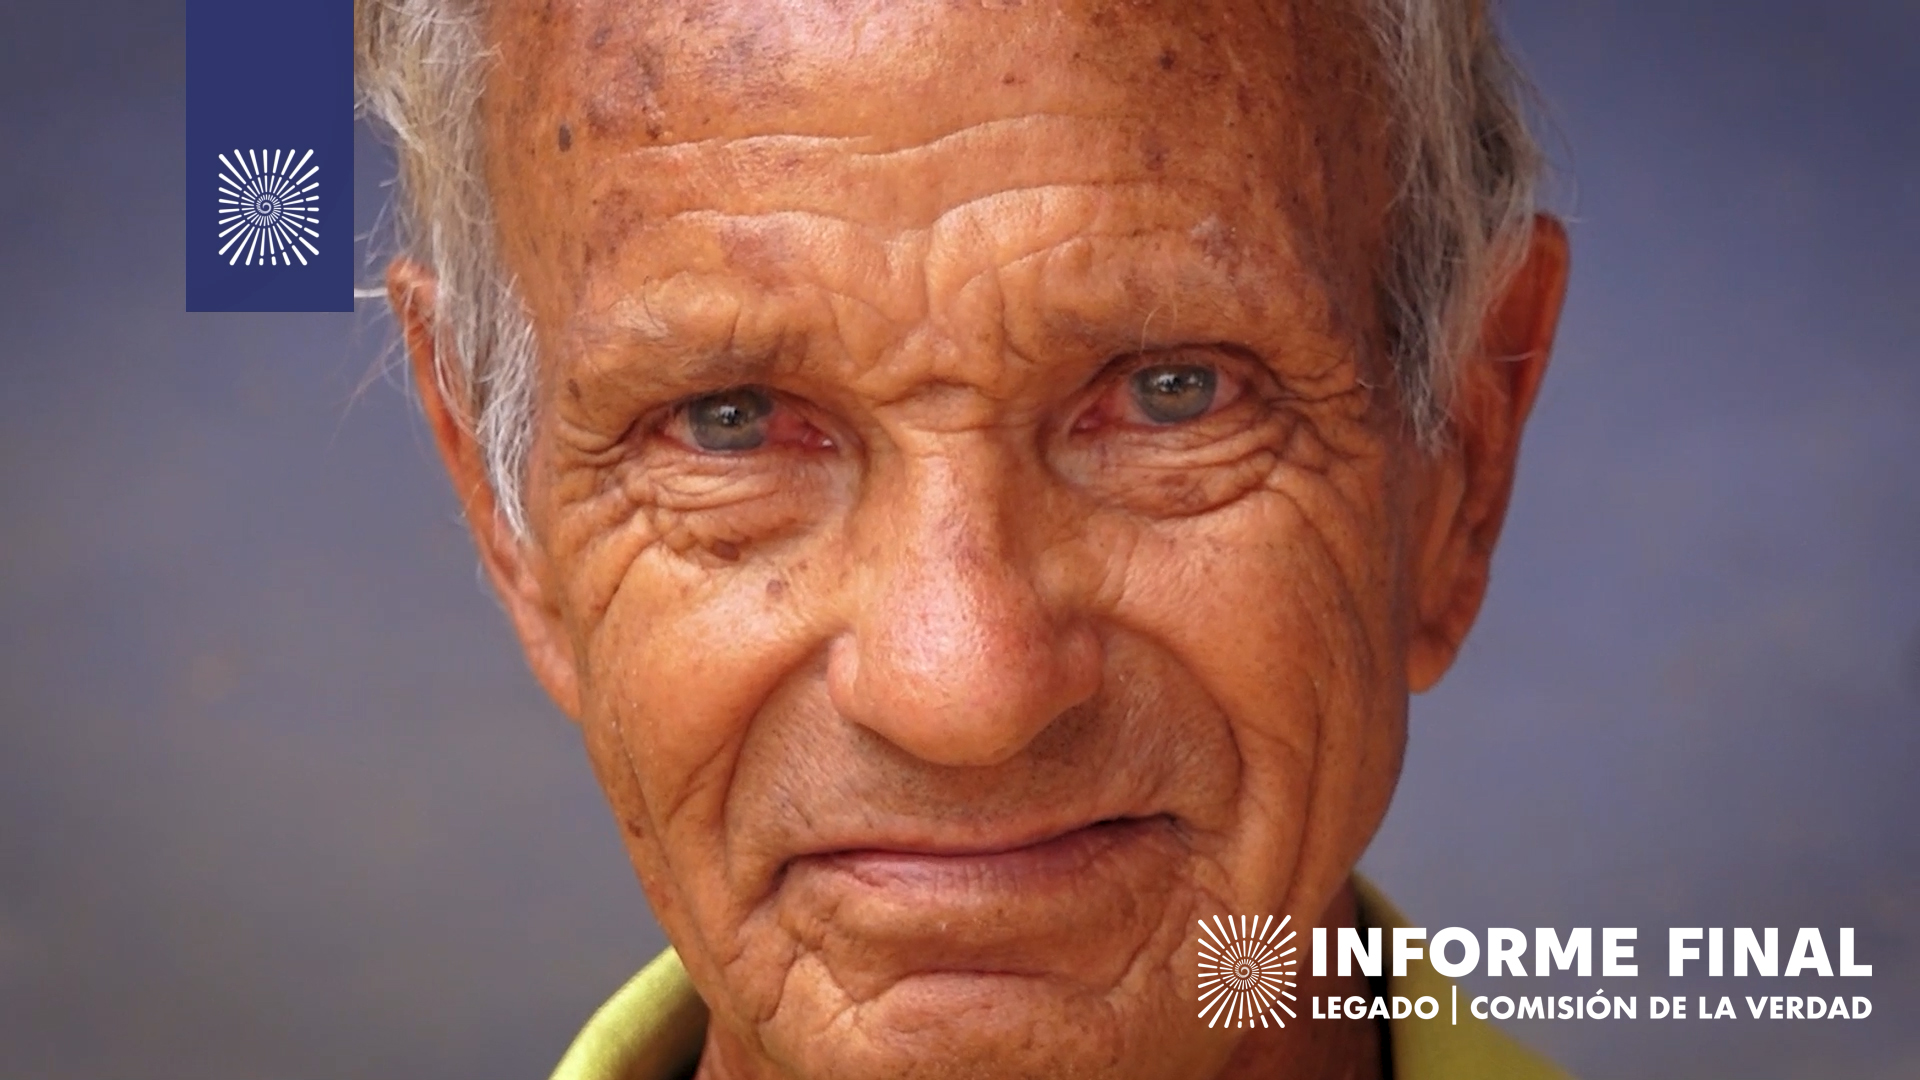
x: 965, y: 599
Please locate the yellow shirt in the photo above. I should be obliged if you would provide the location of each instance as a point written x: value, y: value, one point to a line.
x: 652, y: 1028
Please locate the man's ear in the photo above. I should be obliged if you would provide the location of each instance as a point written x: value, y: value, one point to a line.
x: 515, y: 567
x: 1468, y: 485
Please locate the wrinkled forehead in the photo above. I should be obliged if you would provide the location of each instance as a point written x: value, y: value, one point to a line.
x: 664, y: 66
x: 888, y: 113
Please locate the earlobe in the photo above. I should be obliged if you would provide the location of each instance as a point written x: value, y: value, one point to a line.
x: 509, y: 562
x: 1468, y: 485
x: 1438, y: 587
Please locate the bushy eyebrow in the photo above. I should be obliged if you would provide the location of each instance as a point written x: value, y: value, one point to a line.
x: 652, y: 343
x: 617, y: 365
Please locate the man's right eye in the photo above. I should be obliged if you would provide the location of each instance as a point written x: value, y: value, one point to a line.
x: 742, y: 419
x: 730, y: 421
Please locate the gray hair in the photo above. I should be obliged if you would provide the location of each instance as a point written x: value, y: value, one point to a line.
x: 1468, y: 172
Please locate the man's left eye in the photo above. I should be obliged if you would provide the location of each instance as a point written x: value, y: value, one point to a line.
x: 1172, y: 393
x: 1163, y: 395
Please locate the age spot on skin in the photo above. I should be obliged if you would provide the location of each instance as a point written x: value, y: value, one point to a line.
x: 566, y: 138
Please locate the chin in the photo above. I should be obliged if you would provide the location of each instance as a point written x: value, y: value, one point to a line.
x: 981, y: 1025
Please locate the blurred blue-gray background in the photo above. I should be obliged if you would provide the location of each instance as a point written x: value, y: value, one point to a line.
x: 279, y: 800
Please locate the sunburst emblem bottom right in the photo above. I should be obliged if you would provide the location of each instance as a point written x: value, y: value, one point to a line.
x: 1246, y: 971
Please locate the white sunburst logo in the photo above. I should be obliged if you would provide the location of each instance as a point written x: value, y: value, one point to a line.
x: 1246, y: 970
x: 269, y: 207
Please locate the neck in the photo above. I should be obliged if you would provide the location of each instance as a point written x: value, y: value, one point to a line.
x: 1343, y: 1049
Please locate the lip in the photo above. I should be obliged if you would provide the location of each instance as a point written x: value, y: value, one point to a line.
x: 1030, y: 860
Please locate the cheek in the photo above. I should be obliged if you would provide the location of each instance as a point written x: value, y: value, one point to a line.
x: 677, y: 661
x: 1281, y: 606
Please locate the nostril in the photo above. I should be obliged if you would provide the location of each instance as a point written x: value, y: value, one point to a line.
x: 966, y: 702
x: 843, y: 675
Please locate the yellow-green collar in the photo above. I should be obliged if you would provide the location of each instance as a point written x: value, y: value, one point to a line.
x: 652, y: 1028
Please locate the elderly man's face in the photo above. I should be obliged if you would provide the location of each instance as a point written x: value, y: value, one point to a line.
x: 967, y: 519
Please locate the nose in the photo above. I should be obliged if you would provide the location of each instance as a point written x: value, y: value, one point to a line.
x: 958, y: 652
